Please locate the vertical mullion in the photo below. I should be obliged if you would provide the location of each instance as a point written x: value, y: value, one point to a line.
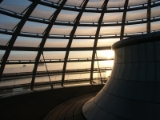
x: 96, y: 38
x: 149, y: 17
x: 46, y: 34
x: 71, y: 39
x: 124, y: 19
x: 15, y: 35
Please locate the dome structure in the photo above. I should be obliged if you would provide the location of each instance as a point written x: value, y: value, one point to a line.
x: 132, y: 93
x: 60, y: 43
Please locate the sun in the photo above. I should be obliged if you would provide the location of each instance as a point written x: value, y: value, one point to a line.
x: 109, y: 54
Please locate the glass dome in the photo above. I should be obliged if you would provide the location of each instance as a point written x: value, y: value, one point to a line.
x: 60, y: 43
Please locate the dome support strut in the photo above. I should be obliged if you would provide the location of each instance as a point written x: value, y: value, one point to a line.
x: 71, y: 39
x: 15, y: 35
x: 41, y: 46
x: 104, y: 6
x: 124, y: 19
x: 149, y: 17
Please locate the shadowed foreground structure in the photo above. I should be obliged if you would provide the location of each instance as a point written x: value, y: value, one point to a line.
x: 133, y: 91
x: 36, y: 105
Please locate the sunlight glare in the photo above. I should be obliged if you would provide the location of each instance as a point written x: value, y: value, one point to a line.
x: 109, y: 54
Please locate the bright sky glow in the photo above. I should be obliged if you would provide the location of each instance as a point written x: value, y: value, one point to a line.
x: 106, y: 53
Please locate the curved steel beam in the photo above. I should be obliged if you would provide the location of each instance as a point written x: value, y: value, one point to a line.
x: 96, y: 38
x: 41, y: 46
x: 53, y: 49
x: 68, y: 37
x: 124, y: 19
x: 45, y: 21
x: 11, y: 76
x: 71, y: 39
x: 15, y: 35
x: 149, y: 17
x: 77, y: 9
x: 53, y: 61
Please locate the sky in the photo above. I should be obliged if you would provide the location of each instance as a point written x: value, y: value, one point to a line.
x: 44, y: 12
